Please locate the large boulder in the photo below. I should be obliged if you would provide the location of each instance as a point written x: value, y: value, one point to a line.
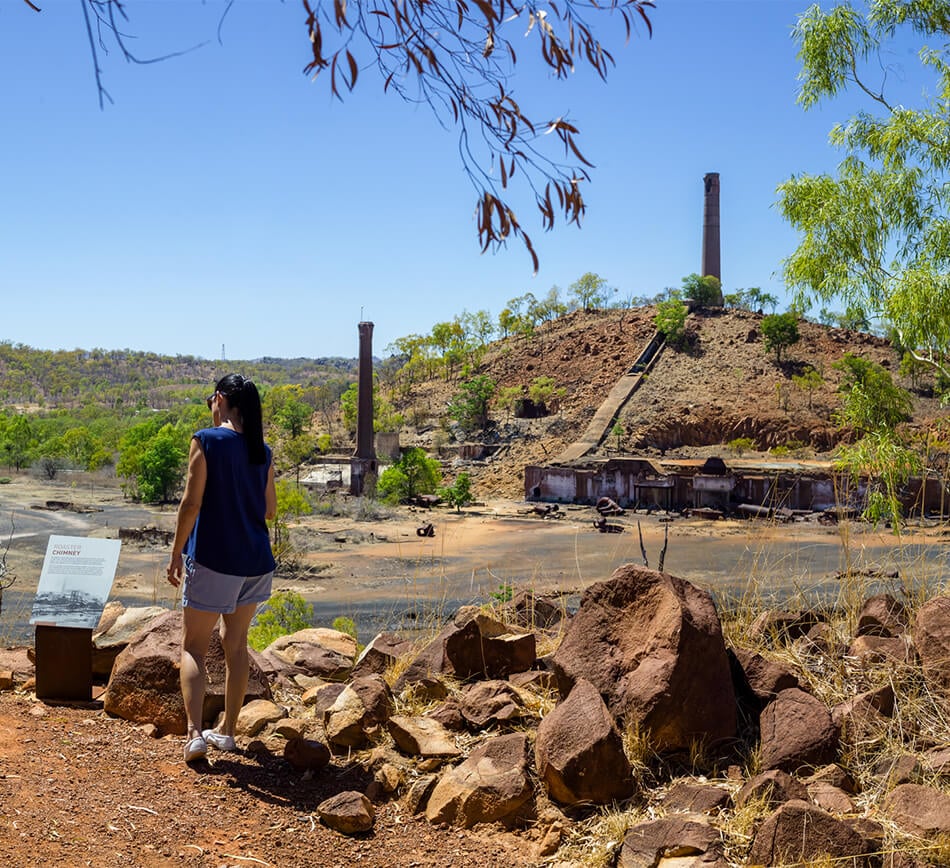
x: 473, y: 645
x: 652, y: 645
x: 145, y: 686
x: 932, y: 640
x: 579, y: 753
x: 117, y: 627
x: 798, y: 833
x: 492, y: 784
x: 797, y: 731
x: 315, y: 652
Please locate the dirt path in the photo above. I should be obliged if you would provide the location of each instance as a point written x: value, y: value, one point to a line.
x: 81, y: 788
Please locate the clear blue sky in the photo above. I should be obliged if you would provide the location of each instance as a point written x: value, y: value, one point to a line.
x: 226, y: 199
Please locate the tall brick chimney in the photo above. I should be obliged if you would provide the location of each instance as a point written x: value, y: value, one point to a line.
x: 711, y: 262
x: 363, y: 463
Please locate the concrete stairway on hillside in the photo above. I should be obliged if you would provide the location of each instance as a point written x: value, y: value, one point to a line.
x: 607, y: 413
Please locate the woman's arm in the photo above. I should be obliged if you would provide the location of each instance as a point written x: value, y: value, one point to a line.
x: 188, y: 508
x: 270, y: 494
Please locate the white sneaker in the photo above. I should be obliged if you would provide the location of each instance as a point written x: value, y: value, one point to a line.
x: 219, y: 741
x: 195, y: 748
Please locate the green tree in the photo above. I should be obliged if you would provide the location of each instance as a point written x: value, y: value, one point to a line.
x: 161, y: 466
x: 17, y: 441
x: 872, y: 401
x: 507, y: 397
x: 469, y: 406
x: 808, y: 381
x: 780, y: 331
x: 706, y: 291
x: 284, y: 613
x: 291, y: 504
x: 670, y: 320
x: 590, y: 291
x: 545, y: 392
x: 414, y: 474
x: 876, y: 235
x: 459, y: 493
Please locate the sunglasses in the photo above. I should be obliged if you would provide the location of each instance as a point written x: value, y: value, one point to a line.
x: 210, y: 399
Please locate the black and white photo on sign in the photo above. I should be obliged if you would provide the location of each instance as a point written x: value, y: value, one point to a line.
x: 75, y: 582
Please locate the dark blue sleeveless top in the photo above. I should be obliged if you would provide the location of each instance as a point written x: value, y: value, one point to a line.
x: 230, y: 535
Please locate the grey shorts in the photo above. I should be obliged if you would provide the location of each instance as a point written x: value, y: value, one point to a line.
x: 209, y: 591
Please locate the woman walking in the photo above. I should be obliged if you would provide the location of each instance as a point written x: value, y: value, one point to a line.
x: 222, y: 551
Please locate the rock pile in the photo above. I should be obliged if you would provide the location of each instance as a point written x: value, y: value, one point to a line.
x: 473, y: 727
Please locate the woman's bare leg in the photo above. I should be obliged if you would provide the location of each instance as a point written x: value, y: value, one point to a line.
x: 234, y: 640
x: 195, y: 638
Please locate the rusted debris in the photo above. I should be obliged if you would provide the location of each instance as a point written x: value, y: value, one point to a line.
x: 604, y: 527
x: 147, y: 535
x: 426, y: 530
x: 706, y: 512
x: 546, y: 510
x: 426, y: 501
x: 606, y: 506
x: 57, y: 505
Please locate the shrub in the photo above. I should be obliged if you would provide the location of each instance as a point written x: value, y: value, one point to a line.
x: 284, y: 613
x: 345, y: 625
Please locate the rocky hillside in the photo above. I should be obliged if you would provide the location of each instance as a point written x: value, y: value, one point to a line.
x: 722, y: 388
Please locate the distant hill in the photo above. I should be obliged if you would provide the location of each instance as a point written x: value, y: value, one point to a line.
x: 110, y: 378
x: 693, y: 402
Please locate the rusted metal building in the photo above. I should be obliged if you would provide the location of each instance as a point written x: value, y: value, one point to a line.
x: 717, y: 484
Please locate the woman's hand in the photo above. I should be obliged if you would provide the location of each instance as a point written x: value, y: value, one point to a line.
x: 175, y: 569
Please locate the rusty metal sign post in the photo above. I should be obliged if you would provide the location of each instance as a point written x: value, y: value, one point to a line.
x: 74, y: 585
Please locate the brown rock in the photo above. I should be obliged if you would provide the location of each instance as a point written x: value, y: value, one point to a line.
x: 773, y: 787
x: 349, y: 813
x: 316, y: 651
x: 798, y: 832
x: 539, y: 680
x: 881, y: 649
x: 490, y: 785
x: 694, y: 798
x: 145, y: 688
x: 306, y: 754
x: 380, y: 654
x: 758, y: 678
x: 579, y: 753
x: 422, y: 736
x: 672, y: 838
x: 363, y: 706
x: 417, y: 795
x: 117, y: 627
x: 830, y: 798
x: 919, y: 809
x: 932, y: 640
x: 796, y: 731
x: 882, y: 615
x: 473, y: 645
x: 254, y: 716
x: 778, y: 627
x: 18, y: 662
x: 836, y: 776
x: 863, y: 716
x: 527, y: 609
x: 449, y: 714
x: 902, y: 769
x: 490, y: 703
x: 652, y: 646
